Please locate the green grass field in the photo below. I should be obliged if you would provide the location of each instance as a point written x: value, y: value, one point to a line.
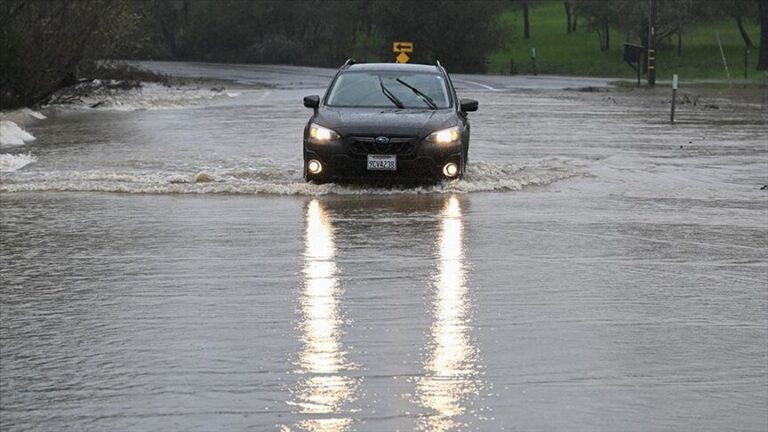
x: 579, y: 53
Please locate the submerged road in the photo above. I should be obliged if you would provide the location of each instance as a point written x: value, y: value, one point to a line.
x: 293, y: 76
x: 596, y: 270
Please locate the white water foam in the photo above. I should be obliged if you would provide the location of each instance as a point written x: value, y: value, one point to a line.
x: 274, y: 180
x: 13, y: 135
x: 150, y: 96
x: 34, y: 114
x: 15, y: 162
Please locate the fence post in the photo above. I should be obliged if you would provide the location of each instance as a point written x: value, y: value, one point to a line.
x: 674, y: 99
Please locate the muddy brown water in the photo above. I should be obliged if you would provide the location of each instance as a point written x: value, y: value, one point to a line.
x: 598, y: 269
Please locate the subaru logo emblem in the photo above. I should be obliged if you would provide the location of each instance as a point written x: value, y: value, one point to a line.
x: 382, y: 140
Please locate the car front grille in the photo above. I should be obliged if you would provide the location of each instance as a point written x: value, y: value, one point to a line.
x: 396, y: 145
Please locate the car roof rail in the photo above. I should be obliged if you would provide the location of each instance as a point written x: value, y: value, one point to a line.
x: 348, y: 63
x: 440, y: 67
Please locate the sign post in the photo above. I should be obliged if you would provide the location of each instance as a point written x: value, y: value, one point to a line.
x: 403, y: 48
x: 633, y: 55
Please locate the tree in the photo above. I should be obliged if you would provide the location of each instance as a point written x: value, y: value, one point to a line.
x: 762, y: 62
x: 526, y: 20
x: 571, y: 17
x: 169, y: 18
x: 631, y: 17
x: 600, y: 15
x: 740, y: 10
x: 46, y: 44
x: 526, y: 6
x: 463, y: 45
x: 736, y: 9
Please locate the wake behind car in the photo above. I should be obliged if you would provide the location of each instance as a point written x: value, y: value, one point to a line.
x: 387, y: 121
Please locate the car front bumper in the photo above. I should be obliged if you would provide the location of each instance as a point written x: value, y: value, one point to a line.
x: 420, y: 161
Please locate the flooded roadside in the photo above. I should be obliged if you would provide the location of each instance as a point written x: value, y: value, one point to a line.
x: 597, y: 270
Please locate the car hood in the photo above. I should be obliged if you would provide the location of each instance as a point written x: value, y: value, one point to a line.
x: 385, y: 121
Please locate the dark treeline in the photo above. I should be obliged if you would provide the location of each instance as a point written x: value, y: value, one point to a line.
x: 460, y: 33
x: 48, y: 44
x: 320, y: 32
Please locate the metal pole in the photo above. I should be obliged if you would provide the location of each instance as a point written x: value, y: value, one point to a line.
x: 674, y: 99
x: 651, y: 46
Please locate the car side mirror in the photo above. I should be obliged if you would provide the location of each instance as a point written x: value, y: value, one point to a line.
x: 312, y: 101
x: 467, y: 105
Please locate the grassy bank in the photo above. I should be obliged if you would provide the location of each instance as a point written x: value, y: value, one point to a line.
x: 579, y: 54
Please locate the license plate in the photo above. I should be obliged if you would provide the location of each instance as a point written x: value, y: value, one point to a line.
x: 382, y: 162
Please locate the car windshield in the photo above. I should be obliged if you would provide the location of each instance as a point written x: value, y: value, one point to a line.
x: 364, y: 89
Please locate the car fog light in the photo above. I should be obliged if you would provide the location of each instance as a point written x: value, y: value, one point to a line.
x: 314, y: 167
x: 450, y: 169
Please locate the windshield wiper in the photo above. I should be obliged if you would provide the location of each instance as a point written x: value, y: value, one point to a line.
x: 427, y: 100
x: 389, y: 94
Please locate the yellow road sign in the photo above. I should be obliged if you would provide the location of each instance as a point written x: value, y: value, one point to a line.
x: 402, y: 47
x: 402, y: 58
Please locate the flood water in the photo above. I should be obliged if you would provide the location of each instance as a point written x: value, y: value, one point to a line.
x: 597, y: 270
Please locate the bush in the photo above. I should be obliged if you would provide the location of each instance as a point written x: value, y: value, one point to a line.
x: 275, y: 49
x: 45, y: 45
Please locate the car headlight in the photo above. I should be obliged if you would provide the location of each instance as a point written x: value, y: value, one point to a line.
x: 445, y: 136
x: 320, y: 134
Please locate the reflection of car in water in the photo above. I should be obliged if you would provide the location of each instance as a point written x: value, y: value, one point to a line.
x: 387, y: 121
x: 328, y: 381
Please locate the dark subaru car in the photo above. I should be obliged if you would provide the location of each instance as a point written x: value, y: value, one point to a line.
x: 387, y: 121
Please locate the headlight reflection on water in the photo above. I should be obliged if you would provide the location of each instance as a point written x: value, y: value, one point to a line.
x: 324, y: 389
x: 451, y: 367
x: 451, y: 372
